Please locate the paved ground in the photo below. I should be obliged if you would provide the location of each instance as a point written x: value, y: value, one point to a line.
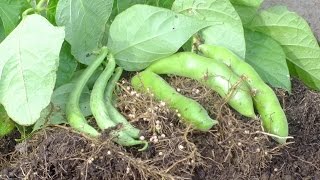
x: 309, y: 9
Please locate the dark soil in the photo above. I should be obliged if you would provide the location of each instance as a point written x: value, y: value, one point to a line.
x: 235, y: 149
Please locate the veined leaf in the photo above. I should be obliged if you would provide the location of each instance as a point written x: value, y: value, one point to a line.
x: 266, y: 56
x: 153, y: 33
x: 229, y: 33
x: 51, y: 115
x: 29, y: 61
x: 51, y: 11
x: 85, y: 22
x: 10, y: 13
x: 60, y: 97
x: 54, y: 113
x: 67, y: 65
x: 297, y: 40
x: 246, y: 9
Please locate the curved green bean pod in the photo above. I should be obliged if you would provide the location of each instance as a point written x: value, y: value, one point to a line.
x: 115, y: 115
x: 73, y: 112
x: 213, y: 74
x: 191, y: 111
x: 99, y: 109
x: 266, y: 102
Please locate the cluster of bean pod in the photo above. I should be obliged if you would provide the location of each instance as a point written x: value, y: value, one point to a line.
x: 222, y: 71
x: 106, y: 116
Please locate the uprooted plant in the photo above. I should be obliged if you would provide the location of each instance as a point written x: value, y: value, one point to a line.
x: 58, y: 63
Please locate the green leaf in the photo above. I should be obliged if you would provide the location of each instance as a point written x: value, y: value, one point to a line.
x: 125, y: 4
x: 67, y: 65
x: 85, y: 22
x: 121, y: 5
x: 29, y: 61
x: 60, y: 97
x: 143, y: 34
x: 51, y: 11
x: 229, y: 33
x: 246, y: 9
x: 266, y: 56
x: 91, y: 80
x: 161, y: 3
x: 51, y: 115
x: 2, y: 35
x: 6, y: 124
x: 297, y: 40
x: 10, y: 13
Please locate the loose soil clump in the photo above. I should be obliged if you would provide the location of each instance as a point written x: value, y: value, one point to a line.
x: 237, y: 148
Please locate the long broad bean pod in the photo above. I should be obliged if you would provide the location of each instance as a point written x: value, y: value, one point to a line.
x: 213, y: 74
x: 115, y: 115
x: 265, y: 100
x: 73, y: 112
x: 191, y: 111
x: 99, y: 109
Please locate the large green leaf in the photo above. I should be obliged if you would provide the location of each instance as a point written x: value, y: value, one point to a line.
x: 29, y: 61
x: 85, y: 22
x: 60, y: 97
x: 67, y: 65
x: 268, y: 59
x: 143, y: 34
x: 51, y: 11
x: 246, y: 9
x: 10, y: 13
x: 297, y: 40
x: 229, y: 33
x: 51, y: 115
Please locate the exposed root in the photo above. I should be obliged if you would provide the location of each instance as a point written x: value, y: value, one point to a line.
x: 232, y: 149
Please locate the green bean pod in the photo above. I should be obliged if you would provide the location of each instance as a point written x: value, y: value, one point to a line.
x: 213, y: 74
x: 266, y: 102
x: 73, y: 112
x: 115, y: 115
x: 191, y: 111
x: 99, y: 109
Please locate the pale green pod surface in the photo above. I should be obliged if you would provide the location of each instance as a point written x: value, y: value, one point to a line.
x: 266, y: 102
x: 74, y: 115
x: 114, y: 114
x: 191, y: 111
x: 212, y: 74
x: 100, y: 112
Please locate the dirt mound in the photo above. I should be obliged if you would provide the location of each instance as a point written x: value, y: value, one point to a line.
x: 300, y: 160
x: 234, y: 149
